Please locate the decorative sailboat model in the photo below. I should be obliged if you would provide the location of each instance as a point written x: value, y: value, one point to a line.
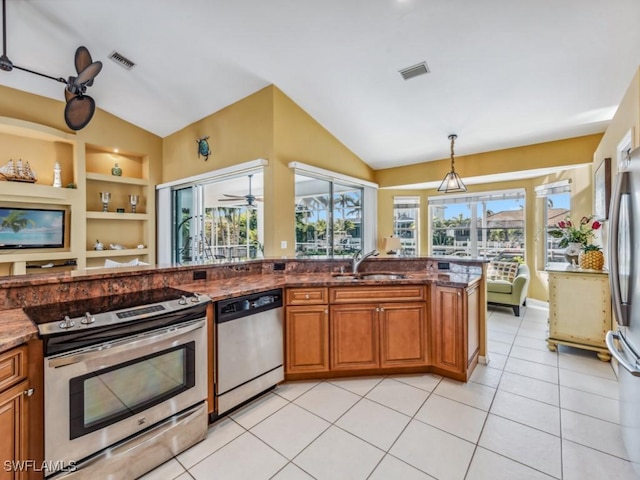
x: 17, y: 172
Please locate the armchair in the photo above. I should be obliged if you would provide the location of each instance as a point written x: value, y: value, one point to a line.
x: 505, y: 289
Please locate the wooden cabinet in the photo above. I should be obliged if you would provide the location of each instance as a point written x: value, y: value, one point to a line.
x: 455, y: 329
x: 306, y: 330
x: 384, y: 334
x: 14, y: 415
x: 403, y: 334
x: 382, y: 328
x: 579, y: 310
x: 354, y: 337
x: 306, y: 296
x: 307, y: 342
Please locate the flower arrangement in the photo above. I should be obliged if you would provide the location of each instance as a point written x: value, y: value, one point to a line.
x: 570, y: 233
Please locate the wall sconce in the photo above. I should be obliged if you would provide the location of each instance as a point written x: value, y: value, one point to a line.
x: 452, y: 181
x: 392, y: 245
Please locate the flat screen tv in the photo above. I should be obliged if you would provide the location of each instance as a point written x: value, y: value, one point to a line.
x: 31, y: 228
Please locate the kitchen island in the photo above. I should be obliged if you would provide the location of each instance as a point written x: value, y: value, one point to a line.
x: 399, y: 315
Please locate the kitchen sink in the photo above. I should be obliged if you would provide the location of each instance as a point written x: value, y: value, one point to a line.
x: 379, y: 276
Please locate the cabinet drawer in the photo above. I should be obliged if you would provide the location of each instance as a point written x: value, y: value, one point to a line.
x: 13, y: 366
x: 391, y: 293
x: 306, y: 296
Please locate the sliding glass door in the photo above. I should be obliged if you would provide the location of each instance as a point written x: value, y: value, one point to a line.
x: 188, y: 240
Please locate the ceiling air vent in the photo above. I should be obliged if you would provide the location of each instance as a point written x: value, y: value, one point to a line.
x: 415, y: 71
x: 121, y: 60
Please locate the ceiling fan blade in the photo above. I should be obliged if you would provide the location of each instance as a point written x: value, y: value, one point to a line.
x: 79, y: 111
x: 82, y: 60
x: 88, y: 74
x: 230, y: 199
x: 238, y: 197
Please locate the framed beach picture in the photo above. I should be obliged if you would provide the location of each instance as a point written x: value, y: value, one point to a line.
x: 602, y: 190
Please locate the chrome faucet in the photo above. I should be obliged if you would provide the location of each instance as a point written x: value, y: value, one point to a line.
x: 357, y: 259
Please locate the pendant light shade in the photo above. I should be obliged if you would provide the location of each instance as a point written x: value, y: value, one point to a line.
x: 452, y: 182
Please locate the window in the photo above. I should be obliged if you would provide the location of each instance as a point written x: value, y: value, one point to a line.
x: 214, y: 216
x: 328, y: 217
x: 488, y: 224
x: 406, y: 215
x: 556, y: 198
x: 556, y: 208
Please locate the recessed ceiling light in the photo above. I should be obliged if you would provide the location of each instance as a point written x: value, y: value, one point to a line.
x: 415, y: 71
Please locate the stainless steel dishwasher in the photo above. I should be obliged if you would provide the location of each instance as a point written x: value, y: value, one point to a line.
x: 250, y: 351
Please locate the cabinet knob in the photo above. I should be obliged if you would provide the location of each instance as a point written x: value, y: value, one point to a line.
x: 326, y: 310
x: 29, y: 392
x: 306, y: 297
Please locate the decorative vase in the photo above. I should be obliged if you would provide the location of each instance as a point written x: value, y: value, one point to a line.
x: 572, y: 253
x: 592, y: 260
x: 116, y: 170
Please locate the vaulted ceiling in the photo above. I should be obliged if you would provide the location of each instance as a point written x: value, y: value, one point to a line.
x: 502, y: 73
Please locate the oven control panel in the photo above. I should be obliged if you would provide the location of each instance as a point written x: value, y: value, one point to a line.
x: 112, y: 310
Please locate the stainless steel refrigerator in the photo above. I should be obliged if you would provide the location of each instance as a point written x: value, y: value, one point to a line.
x: 624, y: 277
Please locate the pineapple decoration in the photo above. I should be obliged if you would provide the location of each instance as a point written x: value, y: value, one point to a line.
x: 591, y: 258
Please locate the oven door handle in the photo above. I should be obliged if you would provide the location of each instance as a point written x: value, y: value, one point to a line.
x: 117, y: 346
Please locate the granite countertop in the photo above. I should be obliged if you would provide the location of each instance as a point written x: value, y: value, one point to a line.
x: 231, y: 287
x: 16, y: 328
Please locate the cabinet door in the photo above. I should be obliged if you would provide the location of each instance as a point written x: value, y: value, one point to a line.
x: 307, y: 339
x: 403, y: 334
x: 449, y: 334
x: 354, y: 337
x: 579, y: 308
x: 13, y: 430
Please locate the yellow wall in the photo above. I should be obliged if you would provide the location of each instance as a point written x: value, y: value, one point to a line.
x: 626, y: 118
x: 104, y: 129
x: 238, y: 133
x: 571, y: 151
x: 269, y: 125
x: 300, y: 138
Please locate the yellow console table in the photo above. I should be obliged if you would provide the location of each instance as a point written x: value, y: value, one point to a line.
x: 579, y: 309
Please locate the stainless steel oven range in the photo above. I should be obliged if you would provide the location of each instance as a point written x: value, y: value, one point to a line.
x: 125, y: 381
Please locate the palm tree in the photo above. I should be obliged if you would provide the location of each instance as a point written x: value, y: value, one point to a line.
x: 16, y: 221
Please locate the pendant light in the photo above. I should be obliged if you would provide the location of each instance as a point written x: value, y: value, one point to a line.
x: 452, y: 181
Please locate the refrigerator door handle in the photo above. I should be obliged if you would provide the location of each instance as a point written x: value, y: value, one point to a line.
x: 622, y: 355
x: 620, y: 305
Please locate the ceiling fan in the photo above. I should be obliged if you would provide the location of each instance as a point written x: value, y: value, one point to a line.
x: 80, y: 107
x: 249, y: 199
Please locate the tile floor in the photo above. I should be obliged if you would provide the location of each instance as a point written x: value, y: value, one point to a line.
x: 529, y: 414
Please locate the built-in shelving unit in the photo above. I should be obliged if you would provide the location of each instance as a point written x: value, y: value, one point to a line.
x: 122, y: 227
x: 86, y: 169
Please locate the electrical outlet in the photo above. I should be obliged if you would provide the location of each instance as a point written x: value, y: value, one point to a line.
x: 283, y: 244
x: 200, y: 275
